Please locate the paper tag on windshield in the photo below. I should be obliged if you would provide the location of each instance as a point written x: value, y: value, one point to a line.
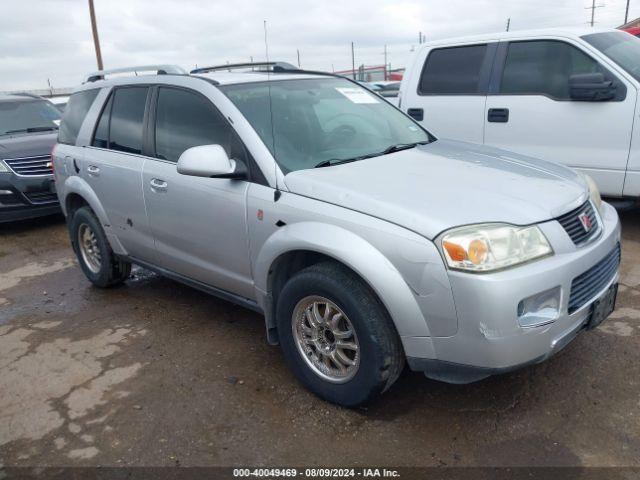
x: 357, y: 95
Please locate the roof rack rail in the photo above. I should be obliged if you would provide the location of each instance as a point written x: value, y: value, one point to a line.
x: 275, y: 67
x: 158, y: 69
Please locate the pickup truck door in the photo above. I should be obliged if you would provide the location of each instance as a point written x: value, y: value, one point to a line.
x: 199, y: 224
x: 449, y: 96
x: 529, y: 110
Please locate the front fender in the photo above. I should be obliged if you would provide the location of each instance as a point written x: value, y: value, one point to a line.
x: 77, y: 185
x: 354, y: 252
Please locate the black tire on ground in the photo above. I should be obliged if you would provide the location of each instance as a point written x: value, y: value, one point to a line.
x: 113, y: 271
x: 382, y: 356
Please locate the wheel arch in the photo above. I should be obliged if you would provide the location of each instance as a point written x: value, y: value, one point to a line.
x: 78, y: 193
x: 294, y: 247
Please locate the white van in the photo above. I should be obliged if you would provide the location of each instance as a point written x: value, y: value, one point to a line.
x: 567, y: 96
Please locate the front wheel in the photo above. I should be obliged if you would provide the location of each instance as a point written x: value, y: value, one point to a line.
x: 97, y: 260
x: 336, y: 335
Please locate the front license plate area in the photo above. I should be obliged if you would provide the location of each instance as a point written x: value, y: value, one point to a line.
x: 603, y: 307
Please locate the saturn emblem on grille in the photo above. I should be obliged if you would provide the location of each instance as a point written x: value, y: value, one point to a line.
x: 585, y: 221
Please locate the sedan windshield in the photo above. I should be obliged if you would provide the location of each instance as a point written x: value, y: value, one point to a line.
x: 622, y: 48
x: 18, y: 116
x: 320, y: 122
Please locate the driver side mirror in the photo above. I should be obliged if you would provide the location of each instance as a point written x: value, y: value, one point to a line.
x: 591, y: 87
x: 210, y: 161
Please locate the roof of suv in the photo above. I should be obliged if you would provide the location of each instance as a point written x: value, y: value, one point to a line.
x: 19, y: 97
x: 568, y: 32
x: 219, y: 75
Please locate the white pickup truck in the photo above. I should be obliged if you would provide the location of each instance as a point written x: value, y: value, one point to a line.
x: 568, y: 96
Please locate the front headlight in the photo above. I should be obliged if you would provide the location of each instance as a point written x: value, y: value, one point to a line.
x: 3, y: 167
x: 594, y: 193
x: 483, y: 248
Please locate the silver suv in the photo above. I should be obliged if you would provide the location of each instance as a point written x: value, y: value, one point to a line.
x: 362, y: 239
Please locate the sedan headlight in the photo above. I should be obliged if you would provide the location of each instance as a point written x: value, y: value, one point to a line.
x: 3, y: 167
x: 484, y: 248
x: 594, y: 193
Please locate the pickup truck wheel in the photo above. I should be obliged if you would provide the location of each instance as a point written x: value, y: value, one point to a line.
x: 97, y: 260
x: 336, y: 335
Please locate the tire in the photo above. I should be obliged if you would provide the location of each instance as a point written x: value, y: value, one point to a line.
x: 106, y: 270
x: 381, y: 357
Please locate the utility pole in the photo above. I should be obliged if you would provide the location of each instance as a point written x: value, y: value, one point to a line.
x: 626, y: 13
x: 385, y: 62
x: 353, y: 61
x: 508, y: 23
x: 593, y: 11
x: 298, y: 50
x: 419, y: 38
x: 96, y: 40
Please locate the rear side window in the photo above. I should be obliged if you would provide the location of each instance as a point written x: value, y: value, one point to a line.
x: 127, y: 116
x: 74, y: 114
x: 185, y: 119
x: 453, y: 71
x: 543, y: 67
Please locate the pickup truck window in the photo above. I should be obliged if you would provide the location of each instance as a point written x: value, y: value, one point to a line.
x: 322, y: 120
x: 543, y: 67
x: 621, y: 47
x: 453, y: 71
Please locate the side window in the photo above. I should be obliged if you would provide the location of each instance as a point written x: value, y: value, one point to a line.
x: 127, y: 115
x: 74, y: 114
x: 543, y: 68
x: 185, y: 119
x: 101, y: 136
x: 453, y: 71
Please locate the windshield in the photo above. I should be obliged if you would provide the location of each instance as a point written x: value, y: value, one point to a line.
x: 622, y: 48
x: 17, y: 116
x: 322, y: 121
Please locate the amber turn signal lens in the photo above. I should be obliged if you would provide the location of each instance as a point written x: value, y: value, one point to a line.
x: 455, y: 251
x: 478, y: 251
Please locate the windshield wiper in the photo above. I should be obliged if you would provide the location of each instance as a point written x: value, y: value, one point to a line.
x: 390, y: 149
x: 31, y: 130
x: 336, y: 161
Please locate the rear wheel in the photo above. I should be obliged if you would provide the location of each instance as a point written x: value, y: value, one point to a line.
x: 96, y: 258
x: 336, y: 335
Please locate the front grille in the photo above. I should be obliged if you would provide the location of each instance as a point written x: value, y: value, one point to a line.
x: 31, y: 166
x: 574, y: 228
x: 585, y: 286
x: 42, y: 197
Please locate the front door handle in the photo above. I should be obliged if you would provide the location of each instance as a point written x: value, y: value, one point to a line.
x: 416, y: 113
x: 498, y: 115
x: 158, y: 185
x: 93, y: 170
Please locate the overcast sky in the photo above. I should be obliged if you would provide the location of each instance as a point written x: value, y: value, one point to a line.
x: 51, y: 39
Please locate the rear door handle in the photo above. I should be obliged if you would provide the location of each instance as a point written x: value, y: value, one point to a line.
x: 416, y: 113
x: 158, y: 185
x: 93, y: 170
x: 498, y: 115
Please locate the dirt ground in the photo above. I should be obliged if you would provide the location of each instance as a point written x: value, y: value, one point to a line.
x: 155, y: 373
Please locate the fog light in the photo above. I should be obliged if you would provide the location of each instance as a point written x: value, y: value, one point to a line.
x: 539, y: 309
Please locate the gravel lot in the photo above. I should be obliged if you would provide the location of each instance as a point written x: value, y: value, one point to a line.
x: 155, y: 373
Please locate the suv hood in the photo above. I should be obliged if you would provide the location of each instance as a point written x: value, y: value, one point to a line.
x: 434, y: 187
x: 29, y: 145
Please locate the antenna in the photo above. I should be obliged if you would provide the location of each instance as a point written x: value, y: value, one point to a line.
x: 276, y: 193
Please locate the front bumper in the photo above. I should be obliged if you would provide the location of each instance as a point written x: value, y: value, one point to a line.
x: 489, y: 339
x: 26, y: 197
